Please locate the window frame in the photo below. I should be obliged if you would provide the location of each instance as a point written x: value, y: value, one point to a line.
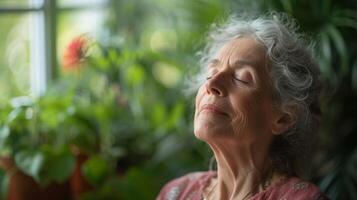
x: 43, y: 43
x: 43, y: 50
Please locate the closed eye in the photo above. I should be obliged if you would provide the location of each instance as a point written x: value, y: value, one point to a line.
x: 240, y: 80
x: 242, y: 76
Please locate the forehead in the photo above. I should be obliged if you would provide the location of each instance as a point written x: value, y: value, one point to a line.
x: 242, y: 48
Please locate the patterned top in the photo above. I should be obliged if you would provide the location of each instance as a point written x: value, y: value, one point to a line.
x: 192, y: 186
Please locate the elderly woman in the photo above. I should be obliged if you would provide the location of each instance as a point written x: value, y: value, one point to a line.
x: 258, y: 110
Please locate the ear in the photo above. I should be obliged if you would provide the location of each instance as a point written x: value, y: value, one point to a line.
x: 282, y: 122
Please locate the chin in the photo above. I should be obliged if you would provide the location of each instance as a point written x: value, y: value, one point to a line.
x: 207, y: 131
x: 200, y: 135
x: 201, y: 132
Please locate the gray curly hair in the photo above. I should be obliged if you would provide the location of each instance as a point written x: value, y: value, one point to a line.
x: 294, y: 77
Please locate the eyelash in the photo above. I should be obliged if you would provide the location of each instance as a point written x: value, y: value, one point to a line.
x: 234, y: 78
x: 239, y: 80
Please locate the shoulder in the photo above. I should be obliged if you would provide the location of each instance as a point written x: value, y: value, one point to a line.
x: 188, y: 185
x: 190, y: 177
x: 295, y: 188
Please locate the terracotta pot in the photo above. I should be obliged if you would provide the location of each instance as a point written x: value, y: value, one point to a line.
x: 79, y: 184
x: 21, y: 186
x: 24, y: 187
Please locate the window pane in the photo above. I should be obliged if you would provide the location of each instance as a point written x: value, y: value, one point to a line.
x: 13, y: 3
x: 72, y: 24
x: 70, y: 3
x: 14, y: 55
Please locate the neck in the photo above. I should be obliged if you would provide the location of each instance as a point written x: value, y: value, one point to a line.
x: 241, y: 170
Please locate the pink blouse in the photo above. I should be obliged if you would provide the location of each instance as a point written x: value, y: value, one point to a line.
x: 191, y: 187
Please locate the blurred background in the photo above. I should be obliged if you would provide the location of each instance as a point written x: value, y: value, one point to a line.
x: 93, y: 102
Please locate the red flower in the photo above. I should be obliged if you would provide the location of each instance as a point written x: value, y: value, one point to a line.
x: 75, y: 53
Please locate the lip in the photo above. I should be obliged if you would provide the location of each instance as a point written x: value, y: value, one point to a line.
x: 213, y: 108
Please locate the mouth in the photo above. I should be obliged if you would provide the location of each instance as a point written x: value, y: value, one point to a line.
x: 213, y: 109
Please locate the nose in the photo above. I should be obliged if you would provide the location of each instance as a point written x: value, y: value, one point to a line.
x: 216, y: 84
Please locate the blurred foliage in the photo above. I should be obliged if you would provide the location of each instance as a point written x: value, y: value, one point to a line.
x: 123, y: 103
x: 32, y: 143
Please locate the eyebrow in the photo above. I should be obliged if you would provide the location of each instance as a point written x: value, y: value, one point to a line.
x: 238, y: 63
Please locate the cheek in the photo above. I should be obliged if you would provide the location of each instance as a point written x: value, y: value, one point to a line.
x: 251, y: 114
x: 242, y: 110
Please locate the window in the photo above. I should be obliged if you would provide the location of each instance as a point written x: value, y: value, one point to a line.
x: 33, y: 35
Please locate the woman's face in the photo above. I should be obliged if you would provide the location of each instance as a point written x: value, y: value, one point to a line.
x: 235, y: 103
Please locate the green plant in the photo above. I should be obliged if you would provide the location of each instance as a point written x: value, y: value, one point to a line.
x: 32, y: 143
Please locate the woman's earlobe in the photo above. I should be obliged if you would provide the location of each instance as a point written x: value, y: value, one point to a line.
x: 283, y: 123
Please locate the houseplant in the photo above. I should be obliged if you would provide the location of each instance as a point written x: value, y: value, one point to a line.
x: 42, y: 137
x: 31, y: 152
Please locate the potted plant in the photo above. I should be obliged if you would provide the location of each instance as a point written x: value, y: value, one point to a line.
x: 65, y: 134
x: 31, y: 153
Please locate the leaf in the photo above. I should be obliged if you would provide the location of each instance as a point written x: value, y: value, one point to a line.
x: 4, y: 184
x: 135, y: 75
x: 113, y: 55
x: 96, y: 170
x: 340, y: 45
x: 344, y: 21
x: 325, y: 46
x: 4, y: 134
x: 58, y: 167
x: 30, y: 162
x: 14, y: 114
x: 288, y: 7
x: 21, y: 101
x: 47, y: 164
x: 102, y: 64
x: 158, y: 113
x: 325, y: 57
x: 345, y: 12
